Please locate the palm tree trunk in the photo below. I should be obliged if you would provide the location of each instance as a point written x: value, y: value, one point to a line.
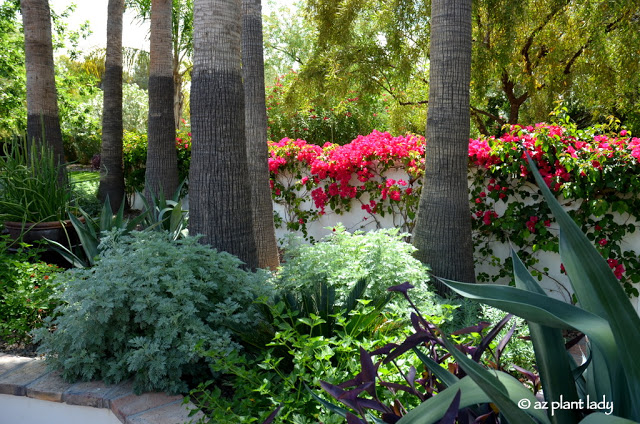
x: 43, y: 121
x: 256, y: 130
x: 219, y: 188
x: 443, y: 227
x: 112, y: 175
x: 162, y: 163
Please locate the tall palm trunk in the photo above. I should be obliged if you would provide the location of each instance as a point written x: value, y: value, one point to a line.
x: 219, y: 188
x: 256, y: 131
x: 162, y: 162
x: 112, y: 177
x: 43, y: 121
x: 443, y: 228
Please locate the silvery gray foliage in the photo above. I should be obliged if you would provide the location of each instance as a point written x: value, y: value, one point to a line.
x: 143, y: 309
x: 342, y: 258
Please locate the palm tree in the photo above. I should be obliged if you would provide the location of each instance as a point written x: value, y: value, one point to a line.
x: 442, y: 232
x: 256, y: 131
x: 162, y: 163
x: 112, y: 179
x: 43, y: 122
x: 219, y: 188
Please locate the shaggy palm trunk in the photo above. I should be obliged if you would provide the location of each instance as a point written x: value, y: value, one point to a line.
x: 256, y: 130
x: 112, y: 175
x: 442, y: 232
x: 219, y: 189
x: 162, y: 162
x: 43, y: 122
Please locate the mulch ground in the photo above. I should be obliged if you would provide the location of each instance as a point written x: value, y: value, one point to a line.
x: 18, y: 349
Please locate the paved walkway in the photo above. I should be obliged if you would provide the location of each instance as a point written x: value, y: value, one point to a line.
x: 29, y: 377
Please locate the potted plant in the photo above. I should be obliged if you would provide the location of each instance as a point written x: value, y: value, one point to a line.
x: 34, y: 192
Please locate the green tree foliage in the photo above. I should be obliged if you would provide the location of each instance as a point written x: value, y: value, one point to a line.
x: 527, y: 55
x: 12, y: 72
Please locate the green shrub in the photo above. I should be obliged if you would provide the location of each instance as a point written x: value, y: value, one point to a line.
x: 144, y: 308
x: 134, y: 153
x: 84, y: 191
x: 27, y: 292
x: 343, y: 258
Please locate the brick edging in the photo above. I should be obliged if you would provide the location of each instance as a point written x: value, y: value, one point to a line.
x: 29, y: 377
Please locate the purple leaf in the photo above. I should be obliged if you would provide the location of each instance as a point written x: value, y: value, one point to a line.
x: 402, y: 387
x: 411, y: 341
x: 352, y: 419
x: 401, y: 288
x: 451, y: 414
x: 272, y: 416
x: 486, y: 340
x: 390, y: 418
x: 368, y: 369
x: 504, y: 341
x: 530, y: 376
x: 333, y: 390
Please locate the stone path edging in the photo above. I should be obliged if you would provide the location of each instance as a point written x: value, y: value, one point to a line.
x: 29, y: 377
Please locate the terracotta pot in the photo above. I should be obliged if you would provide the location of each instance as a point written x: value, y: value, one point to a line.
x: 60, y: 231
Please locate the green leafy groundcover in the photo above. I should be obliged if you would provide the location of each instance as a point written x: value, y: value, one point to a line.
x: 27, y: 292
x: 592, y: 170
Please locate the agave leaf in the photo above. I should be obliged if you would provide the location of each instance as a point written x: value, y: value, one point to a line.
x: 119, y: 221
x: 434, y: 408
x: 132, y: 224
x: 557, y: 314
x: 551, y: 355
x: 71, y: 257
x: 176, y: 219
x: 87, y: 236
x: 504, y: 398
x: 106, y: 216
x: 356, y: 293
x: 540, y: 309
x: 598, y: 291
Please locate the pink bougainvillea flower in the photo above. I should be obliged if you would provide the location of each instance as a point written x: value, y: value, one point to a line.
x: 531, y: 223
x: 602, y: 242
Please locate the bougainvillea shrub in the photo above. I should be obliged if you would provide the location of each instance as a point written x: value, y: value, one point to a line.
x: 593, y: 172
x: 308, y: 179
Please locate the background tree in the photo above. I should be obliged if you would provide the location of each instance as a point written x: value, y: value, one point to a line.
x: 219, y: 188
x: 162, y: 163
x: 182, y: 44
x: 112, y: 177
x: 256, y: 134
x: 442, y: 232
x: 43, y: 122
x: 528, y: 55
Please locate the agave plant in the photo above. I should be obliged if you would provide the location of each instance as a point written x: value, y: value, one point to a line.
x: 611, y: 377
x: 604, y: 389
x: 166, y: 214
x: 89, y: 232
